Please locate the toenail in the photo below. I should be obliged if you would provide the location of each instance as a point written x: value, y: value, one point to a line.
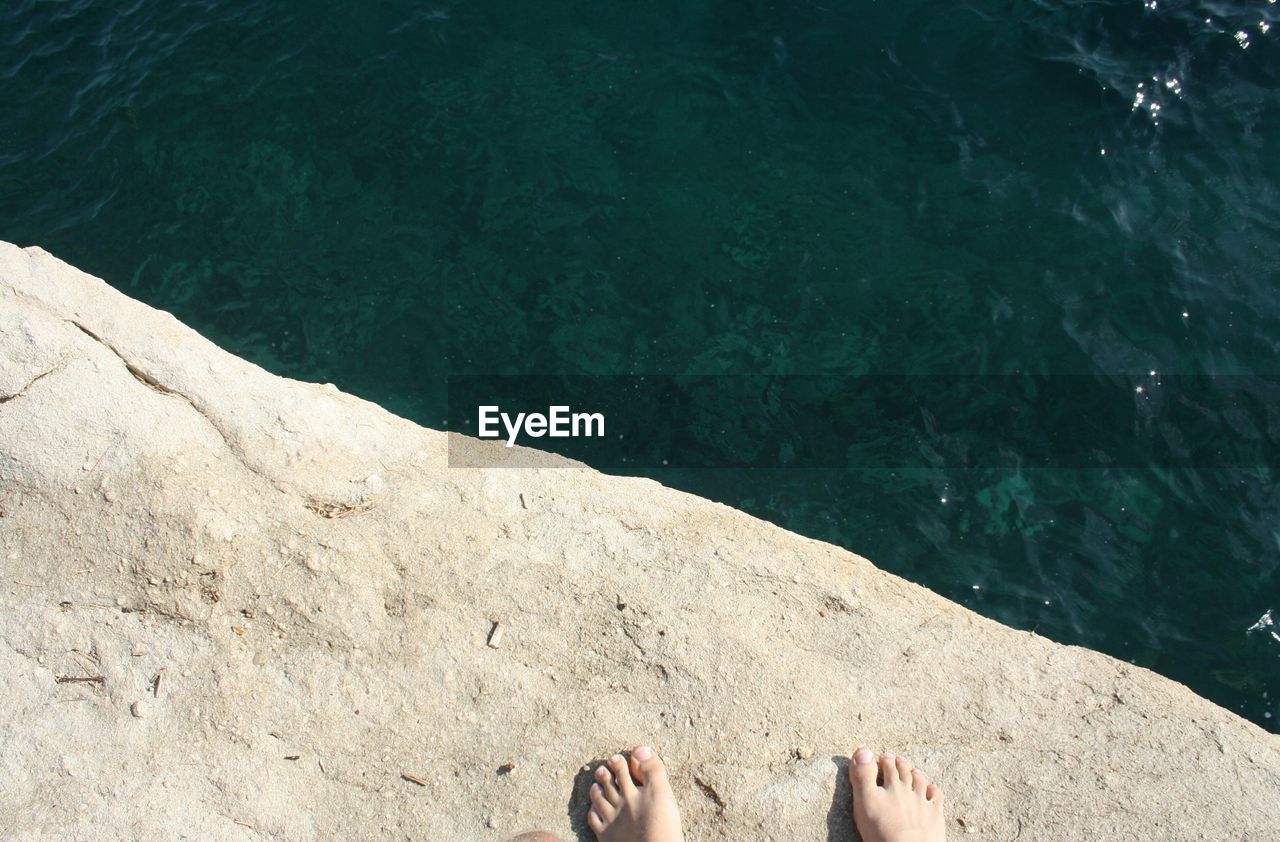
x: 616, y: 758
x: 887, y: 755
x: 643, y: 753
x: 862, y: 756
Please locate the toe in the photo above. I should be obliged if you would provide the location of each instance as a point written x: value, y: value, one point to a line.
x: 919, y: 781
x: 608, y: 787
x: 904, y: 770
x: 618, y: 765
x: 888, y: 769
x: 932, y: 793
x: 594, y: 821
x: 609, y: 791
x: 601, y: 803
x: 862, y: 771
x: 646, y: 766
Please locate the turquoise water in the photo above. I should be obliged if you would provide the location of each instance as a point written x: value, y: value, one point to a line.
x: 380, y: 196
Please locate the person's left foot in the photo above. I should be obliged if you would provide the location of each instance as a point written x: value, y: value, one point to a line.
x: 633, y: 802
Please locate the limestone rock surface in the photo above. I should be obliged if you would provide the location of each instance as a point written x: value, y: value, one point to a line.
x: 235, y: 606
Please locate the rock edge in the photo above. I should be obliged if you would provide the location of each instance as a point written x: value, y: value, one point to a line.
x: 237, y: 606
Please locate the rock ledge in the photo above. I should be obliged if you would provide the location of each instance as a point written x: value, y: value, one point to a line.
x: 236, y: 606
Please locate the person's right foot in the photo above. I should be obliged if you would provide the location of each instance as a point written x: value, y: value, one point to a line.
x: 633, y: 802
x: 892, y: 802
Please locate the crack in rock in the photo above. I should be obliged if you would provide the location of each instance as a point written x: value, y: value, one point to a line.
x: 6, y: 398
x: 153, y: 383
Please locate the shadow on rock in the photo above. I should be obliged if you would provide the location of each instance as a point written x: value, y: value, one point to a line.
x: 840, y: 817
x: 580, y: 802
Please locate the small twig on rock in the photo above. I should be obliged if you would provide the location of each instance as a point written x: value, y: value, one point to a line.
x: 79, y: 679
x: 336, y: 510
x: 100, y: 458
x: 413, y: 779
x: 710, y: 791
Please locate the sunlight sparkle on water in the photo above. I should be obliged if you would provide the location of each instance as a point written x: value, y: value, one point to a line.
x: 1146, y: 97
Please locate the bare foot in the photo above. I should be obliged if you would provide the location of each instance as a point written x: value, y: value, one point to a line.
x: 902, y: 807
x: 633, y: 802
